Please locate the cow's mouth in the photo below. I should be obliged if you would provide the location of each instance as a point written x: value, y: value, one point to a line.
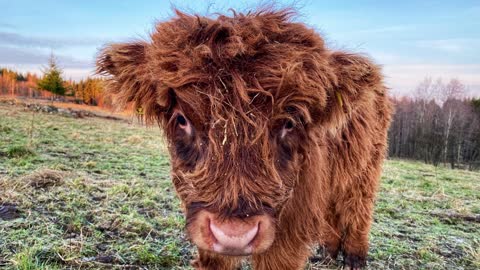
x: 233, y: 237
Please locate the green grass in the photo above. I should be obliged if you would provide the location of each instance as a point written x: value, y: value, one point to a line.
x: 94, y: 193
x: 19, y: 151
x: 420, y: 218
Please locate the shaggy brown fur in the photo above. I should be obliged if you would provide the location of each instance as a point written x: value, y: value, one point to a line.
x: 266, y: 126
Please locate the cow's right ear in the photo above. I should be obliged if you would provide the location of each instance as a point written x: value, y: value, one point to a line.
x: 358, y: 83
x: 130, y: 80
x: 118, y: 58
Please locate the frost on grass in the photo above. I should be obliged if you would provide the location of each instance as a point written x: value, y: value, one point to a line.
x: 92, y: 193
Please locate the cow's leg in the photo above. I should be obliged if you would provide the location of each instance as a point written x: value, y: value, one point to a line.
x: 210, y: 261
x: 331, y: 235
x: 357, y: 222
x: 355, y: 210
x: 284, y: 254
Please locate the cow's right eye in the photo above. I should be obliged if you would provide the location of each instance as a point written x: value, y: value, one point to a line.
x: 183, y: 123
x: 288, y: 126
x: 181, y: 120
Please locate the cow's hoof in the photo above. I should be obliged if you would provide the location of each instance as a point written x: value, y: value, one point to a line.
x: 197, y: 265
x: 330, y: 251
x: 354, y: 262
x: 332, y: 254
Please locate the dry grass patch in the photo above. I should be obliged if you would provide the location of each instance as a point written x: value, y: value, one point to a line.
x: 134, y: 139
x: 44, y: 178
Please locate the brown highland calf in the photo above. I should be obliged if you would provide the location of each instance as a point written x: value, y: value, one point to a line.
x: 276, y: 141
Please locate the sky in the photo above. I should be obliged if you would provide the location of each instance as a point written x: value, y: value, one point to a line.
x: 410, y: 39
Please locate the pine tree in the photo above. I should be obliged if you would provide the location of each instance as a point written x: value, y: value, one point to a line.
x: 476, y: 105
x: 52, y: 79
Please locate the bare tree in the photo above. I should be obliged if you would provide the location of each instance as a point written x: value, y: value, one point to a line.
x: 424, y: 92
x: 438, y: 125
x: 453, y: 90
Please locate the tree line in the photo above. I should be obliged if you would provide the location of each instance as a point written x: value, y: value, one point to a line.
x: 13, y: 83
x: 437, y: 126
x: 51, y: 85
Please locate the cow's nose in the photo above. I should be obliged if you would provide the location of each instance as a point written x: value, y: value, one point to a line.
x: 234, y: 236
x: 231, y: 235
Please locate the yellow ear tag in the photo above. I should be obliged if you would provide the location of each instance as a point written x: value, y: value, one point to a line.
x: 140, y: 111
x: 339, y: 98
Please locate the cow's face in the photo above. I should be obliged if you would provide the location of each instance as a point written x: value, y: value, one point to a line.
x: 240, y: 99
x: 234, y: 167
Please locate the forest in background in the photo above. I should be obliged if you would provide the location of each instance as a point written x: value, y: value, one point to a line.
x: 438, y: 125
x: 51, y: 85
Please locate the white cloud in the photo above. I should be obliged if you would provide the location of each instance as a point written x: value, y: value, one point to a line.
x: 375, y: 31
x: 21, y: 56
x: 16, y: 39
x: 6, y: 25
x: 384, y: 58
x: 386, y: 29
x: 403, y: 79
x: 456, y: 45
x: 68, y: 73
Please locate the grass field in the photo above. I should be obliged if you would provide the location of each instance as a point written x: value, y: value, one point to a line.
x: 95, y: 193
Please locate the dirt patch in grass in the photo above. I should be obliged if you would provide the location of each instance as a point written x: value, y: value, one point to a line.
x: 5, y: 129
x: 9, y: 211
x: 455, y: 217
x: 62, y: 108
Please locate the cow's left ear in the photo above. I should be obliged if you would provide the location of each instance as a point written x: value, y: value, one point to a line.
x: 130, y: 80
x: 357, y: 81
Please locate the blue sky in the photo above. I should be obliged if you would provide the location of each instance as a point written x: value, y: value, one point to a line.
x: 411, y: 39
